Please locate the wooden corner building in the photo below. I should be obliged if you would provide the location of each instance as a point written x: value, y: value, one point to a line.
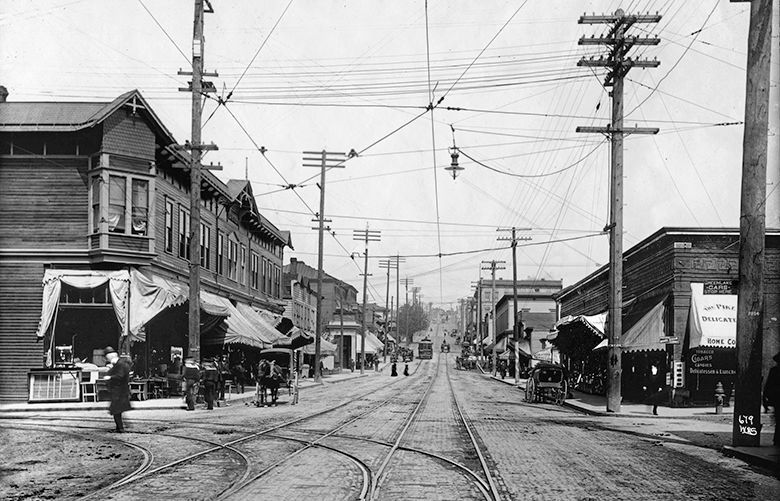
x: 94, y: 232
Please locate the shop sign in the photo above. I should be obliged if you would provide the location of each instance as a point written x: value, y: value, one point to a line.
x: 706, y: 362
x: 713, y: 318
x: 715, y: 287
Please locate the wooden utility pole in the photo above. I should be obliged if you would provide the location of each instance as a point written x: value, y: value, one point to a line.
x: 407, y: 282
x: 341, y: 335
x: 619, y: 65
x: 327, y: 160
x: 198, y: 88
x: 752, y: 225
x: 478, y: 334
x: 493, y: 266
x: 389, y: 264
x: 515, y: 327
x: 398, y: 261
x: 365, y: 236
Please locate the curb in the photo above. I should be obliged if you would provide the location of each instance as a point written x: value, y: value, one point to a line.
x: 753, y: 459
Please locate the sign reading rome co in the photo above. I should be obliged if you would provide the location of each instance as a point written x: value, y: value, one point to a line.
x: 713, y: 318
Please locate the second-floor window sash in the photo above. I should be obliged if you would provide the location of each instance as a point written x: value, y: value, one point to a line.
x: 205, y: 246
x: 184, y: 233
x: 168, y: 226
x: 220, y: 253
x: 117, y: 203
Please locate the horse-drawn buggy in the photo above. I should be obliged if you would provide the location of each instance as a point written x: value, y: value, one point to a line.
x: 274, y: 370
x: 547, y: 382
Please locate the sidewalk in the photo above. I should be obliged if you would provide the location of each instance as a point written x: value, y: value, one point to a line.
x: 595, y: 405
x: 177, y: 402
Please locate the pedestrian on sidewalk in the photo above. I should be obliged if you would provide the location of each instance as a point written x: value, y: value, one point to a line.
x: 394, y: 370
x: 118, y: 382
x: 406, y: 369
x: 772, y: 395
x: 210, y: 378
x: 191, y: 377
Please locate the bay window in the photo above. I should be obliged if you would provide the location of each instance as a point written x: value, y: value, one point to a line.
x: 117, y: 202
x: 140, y: 206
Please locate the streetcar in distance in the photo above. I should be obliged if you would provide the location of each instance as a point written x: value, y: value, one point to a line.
x: 425, y: 349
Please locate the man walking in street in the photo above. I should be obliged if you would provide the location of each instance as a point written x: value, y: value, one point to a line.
x: 191, y: 377
x: 118, y: 381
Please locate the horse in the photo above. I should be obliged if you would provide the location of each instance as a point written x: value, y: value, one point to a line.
x: 262, y: 370
x: 269, y: 377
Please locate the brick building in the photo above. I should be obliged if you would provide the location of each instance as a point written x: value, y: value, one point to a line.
x: 669, y: 283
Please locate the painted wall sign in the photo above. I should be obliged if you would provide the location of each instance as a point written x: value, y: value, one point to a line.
x: 713, y: 318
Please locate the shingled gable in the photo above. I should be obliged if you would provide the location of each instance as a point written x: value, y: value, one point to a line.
x: 240, y: 191
x: 36, y: 116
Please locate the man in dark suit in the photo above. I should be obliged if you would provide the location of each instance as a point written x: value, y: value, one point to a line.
x: 118, y: 382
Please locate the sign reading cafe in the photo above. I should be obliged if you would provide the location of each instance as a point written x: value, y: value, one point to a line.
x: 713, y: 318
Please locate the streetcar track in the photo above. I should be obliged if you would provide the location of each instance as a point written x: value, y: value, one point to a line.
x: 483, y: 462
x: 488, y: 491
x: 146, y: 463
x: 367, y: 476
x: 144, y: 471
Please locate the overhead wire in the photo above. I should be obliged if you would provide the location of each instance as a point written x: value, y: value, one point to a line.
x: 546, y: 174
x: 433, y: 147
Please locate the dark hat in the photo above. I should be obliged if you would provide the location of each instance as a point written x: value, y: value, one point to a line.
x: 108, y: 350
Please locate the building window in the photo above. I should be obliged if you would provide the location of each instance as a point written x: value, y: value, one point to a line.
x: 117, y: 200
x: 262, y: 275
x: 184, y: 233
x: 96, y: 183
x: 267, y: 278
x: 168, y: 226
x: 220, y: 253
x: 140, y: 206
x: 232, y: 251
x: 277, y: 281
x: 254, y: 273
x: 242, y: 265
x: 205, y: 246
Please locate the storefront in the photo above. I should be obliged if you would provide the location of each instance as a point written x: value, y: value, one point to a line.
x: 679, y: 315
x: 710, y: 352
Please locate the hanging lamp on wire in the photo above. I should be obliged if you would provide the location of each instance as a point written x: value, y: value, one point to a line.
x: 454, y: 167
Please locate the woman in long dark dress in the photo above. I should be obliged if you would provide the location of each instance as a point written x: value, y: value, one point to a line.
x: 118, y: 379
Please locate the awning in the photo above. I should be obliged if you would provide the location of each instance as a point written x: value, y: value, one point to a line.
x: 295, y: 338
x: 373, y: 344
x: 548, y: 355
x: 524, y: 347
x: 645, y: 335
x: 713, y: 319
x: 263, y: 328
x: 237, y: 328
x: 326, y: 348
x: 118, y: 287
x: 150, y: 296
x: 595, y: 323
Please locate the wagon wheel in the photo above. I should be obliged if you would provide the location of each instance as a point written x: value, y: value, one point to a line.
x: 530, y: 391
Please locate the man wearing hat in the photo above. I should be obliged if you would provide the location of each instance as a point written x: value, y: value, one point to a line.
x: 772, y: 394
x: 191, y: 376
x: 118, y: 379
x: 210, y: 382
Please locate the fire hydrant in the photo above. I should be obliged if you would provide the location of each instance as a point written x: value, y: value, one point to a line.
x: 720, y: 396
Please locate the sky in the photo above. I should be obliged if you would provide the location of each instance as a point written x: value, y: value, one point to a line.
x: 305, y: 75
